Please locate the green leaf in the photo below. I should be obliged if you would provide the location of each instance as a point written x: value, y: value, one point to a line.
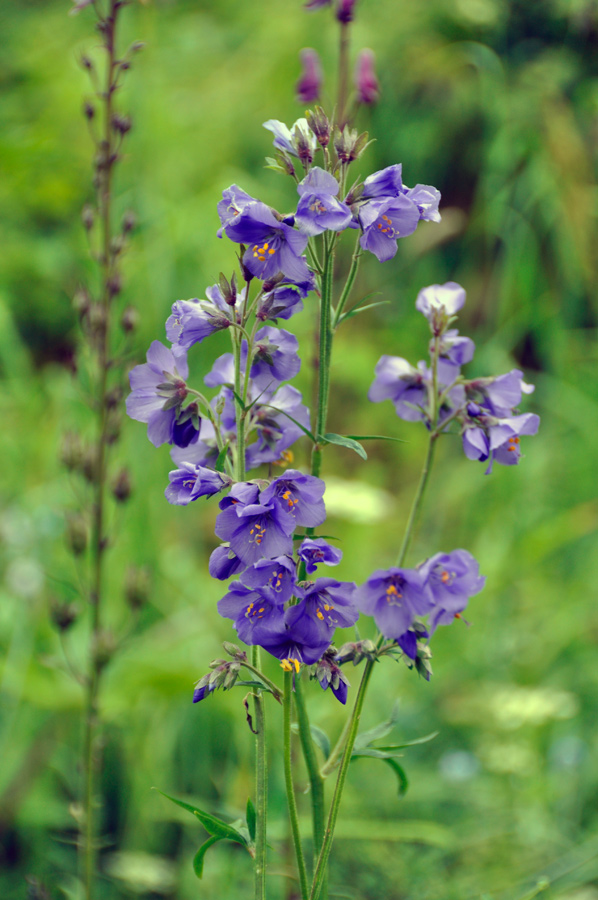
x: 214, y: 826
x: 355, y: 311
x: 238, y: 399
x: 375, y: 437
x: 414, y: 742
x: 305, y: 430
x: 379, y: 731
x: 344, y: 441
x: 329, y: 537
x: 401, y: 776
x: 375, y: 753
x: 321, y: 739
x: 251, y: 817
x: 221, y: 458
x: 199, y: 856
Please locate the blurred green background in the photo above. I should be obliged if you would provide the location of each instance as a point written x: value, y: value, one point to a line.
x: 495, y: 103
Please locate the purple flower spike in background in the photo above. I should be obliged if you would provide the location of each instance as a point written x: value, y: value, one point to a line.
x: 344, y: 10
x: 273, y: 246
x: 310, y: 82
x: 299, y: 496
x: 318, y: 209
x: 368, y: 89
x: 452, y: 579
x: 315, y: 551
x: 158, y: 392
x: 384, y: 222
x: 394, y: 597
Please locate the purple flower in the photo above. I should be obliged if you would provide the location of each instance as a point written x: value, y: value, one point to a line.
x: 158, y: 392
x: 275, y: 357
x: 273, y: 246
x: 298, y: 495
x: 224, y: 563
x: 300, y: 640
x: 275, y: 431
x: 192, y: 320
x: 487, y: 437
x: 500, y: 395
x: 440, y: 299
x: 314, y: 551
x: 452, y: 579
x: 455, y: 350
x: 204, y: 452
x: 394, y: 597
x: 408, y: 641
x: 286, y: 138
x: 385, y: 183
x: 318, y: 209
x: 203, y: 691
x: 344, y: 10
x: 275, y: 575
x: 427, y: 199
x: 191, y: 482
x: 255, y: 530
x: 310, y: 82
x: 257, y: 617
x: 332, y: 604
x: 406, y: 386
x: 234, y: 200
x: 384, y: 221
x: 280, y: 303
x: 368, y: 89
x: 330, y: 676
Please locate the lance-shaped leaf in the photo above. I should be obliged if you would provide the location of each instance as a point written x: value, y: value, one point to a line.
x: 199, y: 856
x: 401, y: 776
x: 215, y: 827
x: 344, y: 441
x: 251, y: 817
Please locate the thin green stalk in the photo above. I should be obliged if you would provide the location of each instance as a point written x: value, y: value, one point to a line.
x: 261, y: 785
x: 320, y: 872
x: 288, y: 777
x: 325, y: 351
x: 348, y: 285
x: 335, y: 754
x: 417, y: 500
x: 313, y: 771
x: 343, y: 72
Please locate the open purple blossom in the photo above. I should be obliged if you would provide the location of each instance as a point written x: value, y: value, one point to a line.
x: 280, y: 303
x: 224, y: 563
x: 385, y: 183
x: 407, y: 387
x: 366, y: 82
x: 273, y: 246
x: 384, y: 222
x: 275, y: 431
x: 255, y: 530
x: 319, y: 209
x: 286, y: 138
x: 314, y: 551
x: 300, y: 640
x: 500, y: 395
x: 234, y: 200
x: 256, y: 615
x: 158, y: 390
x: 452, y: 579
x: 486, y: 437
x: 191, y: 482
x: 299, y: 496
x: 275, y: 575
x: 331, y: 603
x: 394, y: 597
x: 275, y: 357
x: 193, y: 320
x: 440, y: 299
x: 427, y: 200
x: 310, y: 81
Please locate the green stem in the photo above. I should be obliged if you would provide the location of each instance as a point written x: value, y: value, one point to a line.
x: 335, y: 754
x: 325, y: 351
x: 239, y: 412
x: 261, y: 786
x: 275, y: 690
x: 348, y: 285
x: 343, y: 73
x: 313, y: 771
x: 320, y: 872
x: 288, y: 777
x: 417, y: 500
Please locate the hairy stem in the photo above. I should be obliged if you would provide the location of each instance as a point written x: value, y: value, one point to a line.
x: 311, y: 762
x: 261, y: 785
x: 288, y: 777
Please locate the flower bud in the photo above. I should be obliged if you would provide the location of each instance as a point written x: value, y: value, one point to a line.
x: 349, y: 145
x: 228, y: 289
x: 303, y: 145
x: 129, y: 320
x: 71, y: 451
x: 86, y: 62
x: 368, y: 89
x: 121, y: 486
x: 63, y: 614
x: 128, y: 222
x: 319, y: 124
x: 121, y: 124
x: 81, y: 302
x: 88, y: 110
x: 88, y: 216
x: 88, y: 465
x: 310, y: 81
x: 137, y: 586
x: 344, y: 11
x: 104, y: 648
x: 76, y: 533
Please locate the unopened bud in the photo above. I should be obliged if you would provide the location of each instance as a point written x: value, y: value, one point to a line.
x: 113, y: 426
x: 137, y: 586
x: 105, y: 645
x: 136, y: 46
x: 88, y: 465
x: 86, y: 62
x: 63, y: 614
x: 114, y: 284
x: 71, y: 451
x: 96, y: 319
x: 81, y: 302
x: 88, y: 110
x: 129, y: 320
x: 344, y: 11
x: 349, y: 144
x: 121, y: 124
x: 319, y: 124
x: 76, y: 533
x: 368, y: 89
x: 228, y: 289
x: 310, y: 81
x: 121, y: 486
x: 303, y: 145
x: 87, y: 217
x: 129, y: 221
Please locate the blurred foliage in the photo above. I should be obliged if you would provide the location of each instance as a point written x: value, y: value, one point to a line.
x: 496, y: 103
